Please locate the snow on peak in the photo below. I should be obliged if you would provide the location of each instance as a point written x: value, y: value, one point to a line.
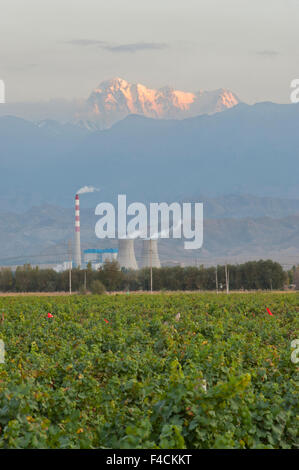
x: 116, y: 98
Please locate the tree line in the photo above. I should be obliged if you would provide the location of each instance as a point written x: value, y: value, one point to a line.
x: 247, y: 276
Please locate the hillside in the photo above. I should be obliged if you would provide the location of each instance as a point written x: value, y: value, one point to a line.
x: 41, y: 235
x: 246, y: 149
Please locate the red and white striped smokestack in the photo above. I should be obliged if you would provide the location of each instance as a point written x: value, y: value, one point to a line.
x: 77, y: 232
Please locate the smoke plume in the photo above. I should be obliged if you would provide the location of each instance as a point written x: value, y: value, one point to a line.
x: 166, y: 231
x: 87, y: 189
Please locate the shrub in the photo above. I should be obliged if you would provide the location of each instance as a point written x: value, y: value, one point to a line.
x: 82, y: 290
x: 98, y: 288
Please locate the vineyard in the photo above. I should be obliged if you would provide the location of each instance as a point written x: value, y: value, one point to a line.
x: 149, y: 371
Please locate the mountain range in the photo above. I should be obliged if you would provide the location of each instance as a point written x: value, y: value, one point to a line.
x: 114, y: 99
x: 40, y: 235
x: 219, y: 158
x: 243, y: 150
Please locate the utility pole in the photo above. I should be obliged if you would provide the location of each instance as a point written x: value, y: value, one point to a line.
x: 70, y: 266
x: 227, y: 279
x: 216, y: 279
x: 151, y: 266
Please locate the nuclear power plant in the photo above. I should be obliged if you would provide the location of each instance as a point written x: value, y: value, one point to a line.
x: 150, y: 256
x: 77, y: 233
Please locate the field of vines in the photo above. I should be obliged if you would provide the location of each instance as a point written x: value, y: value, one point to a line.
x: 127, y: 371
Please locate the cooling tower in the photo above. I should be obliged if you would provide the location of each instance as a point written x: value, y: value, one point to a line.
x: 150, y: 256
x: 126, y: 255
x: 77, y: 257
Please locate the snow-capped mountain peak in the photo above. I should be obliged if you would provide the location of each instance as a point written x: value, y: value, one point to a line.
x: 115, y: 99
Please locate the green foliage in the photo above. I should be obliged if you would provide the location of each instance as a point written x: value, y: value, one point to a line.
x: 137, y: 380
x: 83, y: 290
x: 265, y: 275
x: 97, y: 287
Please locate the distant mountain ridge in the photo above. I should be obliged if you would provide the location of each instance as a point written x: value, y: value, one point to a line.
x: 40, y: 236
x: 243, y: 150
x: 117, y: 98
x: 113, y: 100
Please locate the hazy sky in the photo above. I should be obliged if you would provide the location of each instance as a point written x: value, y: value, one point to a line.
x: 65, y: 48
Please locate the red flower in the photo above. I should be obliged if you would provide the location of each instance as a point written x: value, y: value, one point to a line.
x: 270, y: 313
x: 50, y: 315
x: 106, y: 320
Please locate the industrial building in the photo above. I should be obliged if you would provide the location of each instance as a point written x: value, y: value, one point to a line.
x: 65, y: 266
x: 150, y: 256
x: 126, y: 254
x: 97, y: 257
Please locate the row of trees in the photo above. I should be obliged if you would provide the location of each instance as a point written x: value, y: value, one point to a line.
x: 251, y: 275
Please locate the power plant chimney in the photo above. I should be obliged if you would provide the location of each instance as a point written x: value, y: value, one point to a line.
x: 126, y: 255
x: 77, y: 232
x: 150, y: 256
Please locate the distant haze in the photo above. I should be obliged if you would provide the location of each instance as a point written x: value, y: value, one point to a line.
x: 61, y: 49
x: 114, y: 99
x: 249, y: 149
